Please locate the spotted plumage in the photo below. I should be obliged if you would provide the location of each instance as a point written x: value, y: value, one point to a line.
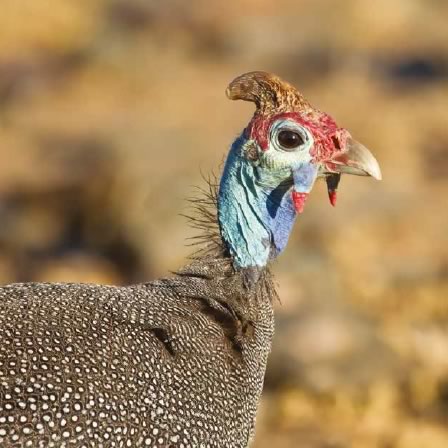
x: 146, y: 365
x: 177, y: 362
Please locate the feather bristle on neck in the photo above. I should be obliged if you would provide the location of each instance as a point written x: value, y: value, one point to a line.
x: 210, y: 249
x: 203, y: 218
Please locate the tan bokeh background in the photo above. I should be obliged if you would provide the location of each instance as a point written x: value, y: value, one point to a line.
x: 110, y: 110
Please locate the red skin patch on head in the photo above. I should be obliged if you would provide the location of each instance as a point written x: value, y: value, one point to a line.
x: 329, y: 139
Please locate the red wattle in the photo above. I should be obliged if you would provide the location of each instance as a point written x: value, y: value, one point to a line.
x: 332, y: 194
x: 299, y: 200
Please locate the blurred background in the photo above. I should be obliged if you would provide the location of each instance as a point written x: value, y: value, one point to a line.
x: 110, y: 110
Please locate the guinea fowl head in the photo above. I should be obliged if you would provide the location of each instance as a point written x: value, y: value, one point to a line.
x: 273, y: 164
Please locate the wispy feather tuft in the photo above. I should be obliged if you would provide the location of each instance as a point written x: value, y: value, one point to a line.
x: 211, y: 261
x: 203, y: 217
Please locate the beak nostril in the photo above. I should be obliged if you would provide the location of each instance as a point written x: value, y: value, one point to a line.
x: 336, y: 143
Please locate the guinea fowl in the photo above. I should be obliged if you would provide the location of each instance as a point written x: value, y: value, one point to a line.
x: 176, y: 362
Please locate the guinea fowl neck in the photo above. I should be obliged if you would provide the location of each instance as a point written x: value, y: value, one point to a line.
x: 255, y: 210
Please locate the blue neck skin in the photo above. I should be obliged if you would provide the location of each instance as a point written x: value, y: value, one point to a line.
x: 255, y: 209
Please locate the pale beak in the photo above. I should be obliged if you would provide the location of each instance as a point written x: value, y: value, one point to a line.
x: 355, y: 159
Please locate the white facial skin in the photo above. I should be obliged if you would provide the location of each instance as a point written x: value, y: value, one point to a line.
x: 289, y: 145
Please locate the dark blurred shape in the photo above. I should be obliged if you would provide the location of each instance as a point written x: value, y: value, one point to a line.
x: 434, y: 155
x: 81, y: 159
x: 171, y: 21
x: 442, y: 393
x: 414, y: 69
x: 130, y: 15
x: 47, y: 226
x: 310, y: 63
x: 45, y: 229
x: 17, y: 77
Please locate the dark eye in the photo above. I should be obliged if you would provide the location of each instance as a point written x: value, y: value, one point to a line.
x: 289, y: 140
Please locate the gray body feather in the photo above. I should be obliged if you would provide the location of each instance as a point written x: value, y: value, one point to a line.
x: 177, y: 362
